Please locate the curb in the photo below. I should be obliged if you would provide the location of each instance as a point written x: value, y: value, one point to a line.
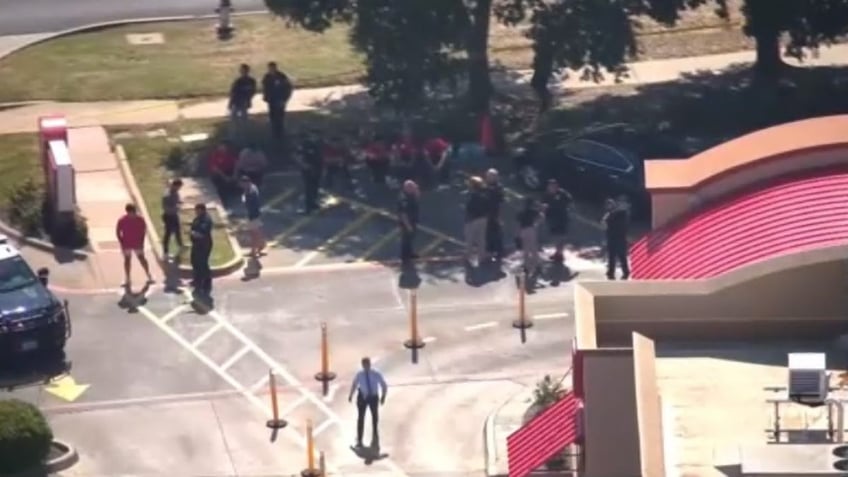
x: 116, y: 23
x: 490, y: 444
x: 64, y: 461
x: 39, y: 244
x: 153, y: 238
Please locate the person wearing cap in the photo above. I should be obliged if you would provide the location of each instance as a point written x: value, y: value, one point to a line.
x: 558, y: 204
x: 476, y: 215
x: 370, y: 388
x: 201, y: 250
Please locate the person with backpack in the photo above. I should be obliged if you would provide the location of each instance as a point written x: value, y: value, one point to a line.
x: 276, y: 91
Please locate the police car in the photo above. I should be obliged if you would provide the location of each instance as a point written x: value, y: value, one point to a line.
x: 32, y: 319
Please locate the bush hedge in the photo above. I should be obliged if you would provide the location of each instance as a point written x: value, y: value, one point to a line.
x: 25, y: 436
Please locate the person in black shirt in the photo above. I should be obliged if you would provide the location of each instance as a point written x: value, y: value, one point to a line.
x: 558, y: 203
x: 476, y: 217
x: 311, y: 168
x: 276, y: 91
x: 241, y: 95
x: 529, y: 218
x: 408, y: 220
x: 494, y: 226
x: 201, y: 249
x: 616, y: 222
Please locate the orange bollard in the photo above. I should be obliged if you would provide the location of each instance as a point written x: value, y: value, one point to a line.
x: 310, y: 470
x: 275, y: 422
x: 523, y: 322
x: 325, y: 375
x: 414, y: 341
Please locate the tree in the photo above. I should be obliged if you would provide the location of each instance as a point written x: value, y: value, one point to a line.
x: 806, y: 24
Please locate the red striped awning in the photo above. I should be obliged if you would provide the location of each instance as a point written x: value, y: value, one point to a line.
x: 544, y: 436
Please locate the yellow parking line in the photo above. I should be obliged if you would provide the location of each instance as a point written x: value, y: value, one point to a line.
x: 384, y: 213
x: 433, y: 245
x: 302, y: 222
x: 279, y: 198
x: 335, y: 238
x: 378, y: 245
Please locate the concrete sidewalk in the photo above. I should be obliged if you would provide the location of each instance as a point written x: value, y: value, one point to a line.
x: 113, y: 113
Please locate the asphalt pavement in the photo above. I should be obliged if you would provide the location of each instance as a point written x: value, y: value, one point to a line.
x: 46, y: 16
x: 166, y: 387
x: 357, y: 223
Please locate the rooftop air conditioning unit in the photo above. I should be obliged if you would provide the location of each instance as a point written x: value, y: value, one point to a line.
x: 808, y: 380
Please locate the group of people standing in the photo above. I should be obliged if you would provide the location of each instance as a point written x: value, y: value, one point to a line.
x: 484, y: 236
x: 277, y: 90
x: 131, y: 232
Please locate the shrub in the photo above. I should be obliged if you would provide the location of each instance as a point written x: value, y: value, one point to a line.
x: 25, y: 207
x: 25, y: 436
x: 548, y: 391
x: 70, y: 234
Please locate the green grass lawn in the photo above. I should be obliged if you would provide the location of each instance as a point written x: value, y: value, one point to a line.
x: 103, y: 65
x: 147, y: 158
x: 19, y: 161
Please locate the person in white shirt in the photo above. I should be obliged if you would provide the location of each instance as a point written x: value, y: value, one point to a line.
x: 371, y: 392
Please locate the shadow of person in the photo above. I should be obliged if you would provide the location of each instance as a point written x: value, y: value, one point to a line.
x: 369, y: 454
x: 486, y: 272
x: 409, y: 278
x: 131, y: 300
x: 252, y: 269
x: 558, y: 273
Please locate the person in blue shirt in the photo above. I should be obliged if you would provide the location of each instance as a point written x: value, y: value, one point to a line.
x: 201, y: 249
x: 253, y: 207
x: 371, y: 389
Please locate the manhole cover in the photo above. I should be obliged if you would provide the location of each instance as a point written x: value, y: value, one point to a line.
x: 145, y: 38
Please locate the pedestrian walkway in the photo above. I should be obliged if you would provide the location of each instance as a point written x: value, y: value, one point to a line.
x: 122, y: 113
x: 102, y: 194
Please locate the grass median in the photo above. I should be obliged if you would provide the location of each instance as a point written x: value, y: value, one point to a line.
x: 103, y: 65
x: 148, y: 159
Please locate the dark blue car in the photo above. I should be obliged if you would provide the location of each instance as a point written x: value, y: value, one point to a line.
x: 32, y: 319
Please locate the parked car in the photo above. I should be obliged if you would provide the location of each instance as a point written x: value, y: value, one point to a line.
x: 600, y: 163
x: 32, y: 318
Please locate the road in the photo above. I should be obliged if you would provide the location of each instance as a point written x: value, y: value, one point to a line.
x: 190, y: 388
x: 45, y: 16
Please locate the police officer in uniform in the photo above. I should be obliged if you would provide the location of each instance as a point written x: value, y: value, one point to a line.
x: 558, y: 204
x: 408, y: 220
x: 201, y: 249
x: 311, y: 164
x: 616, y: 223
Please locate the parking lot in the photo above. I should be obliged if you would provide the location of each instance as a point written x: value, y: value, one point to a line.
x: 182, y: 379
x: 359, y: 224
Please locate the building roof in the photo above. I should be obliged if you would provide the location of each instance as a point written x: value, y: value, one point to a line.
x: 784, y: 218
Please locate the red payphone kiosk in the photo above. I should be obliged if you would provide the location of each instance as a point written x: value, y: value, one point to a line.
x: 56, y: 164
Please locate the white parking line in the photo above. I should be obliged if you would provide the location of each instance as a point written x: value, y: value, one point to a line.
x: 294, y: 405
x: 260, y: 384
x: 428, y: 339
x: 173, y: 313
x: 550, y: 316
x: 481, y: 326
x: 322, y: 427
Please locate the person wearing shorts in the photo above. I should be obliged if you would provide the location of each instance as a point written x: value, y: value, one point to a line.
x: 254, y: 215
x: 131, y: 231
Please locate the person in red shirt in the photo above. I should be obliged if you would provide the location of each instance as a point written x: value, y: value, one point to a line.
x: 376, y: 153
x: 438, y: 150
x: 335, y: 156
x: 131, y: 231
x: 405, y: 152
x: 222, y: 167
